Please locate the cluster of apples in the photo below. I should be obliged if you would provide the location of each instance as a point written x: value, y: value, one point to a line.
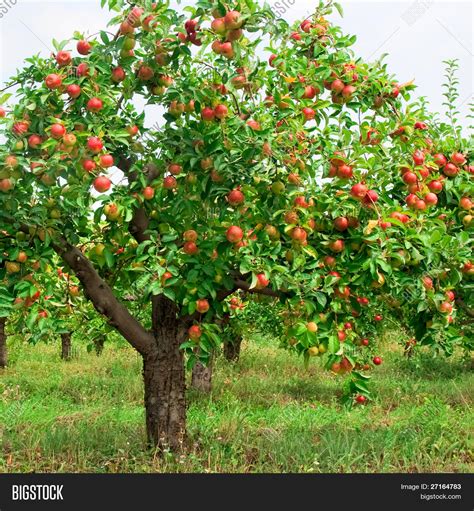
x: 229, y: 29
x: 423, y: 188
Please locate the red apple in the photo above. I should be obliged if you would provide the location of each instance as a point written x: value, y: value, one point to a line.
x: 102, y: 184
x: 83, y: 47
x: 234, y: 234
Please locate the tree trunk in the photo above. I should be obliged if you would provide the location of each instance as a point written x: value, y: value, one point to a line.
x: 201, y: 378
x: 3, y: 344
x: 232, y: 349
x: 66, y: 349
x: 164, y: 378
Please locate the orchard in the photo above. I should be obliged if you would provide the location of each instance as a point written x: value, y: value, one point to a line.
x: 284, y: 171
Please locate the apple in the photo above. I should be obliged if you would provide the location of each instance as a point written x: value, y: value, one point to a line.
x: 63, y: 58
x: 234, y: 234
x: 191, y: 26
x: 359, y: 191
x: 6, y: 185
x: 458, y: 159
x: 21, y: 127
x: 450, y: 295
x: 418, y: 157
x: 450, y: 170
x: 94, y: 144
x: 169, y: 182
x: 3, y: 113
x: 174, y: 168
x: 132, y: 130
x: 435, y: 186
x: 235, y: 197
x: 466, y: 203
x: 166, y: 276
x: 88, y: 165
x: 227, y: 50
x: 365, y: 342
x: 337, y: 86
x: 409, y: 178
x: 344, y: 171
x: 94, y: 105
x: 145, y: 73
x: 111, y: 211
x: 341, y: 336
x: 336, y: 246
x: 83, y: 47
x: 371, y: 197
x: 218, y: 25
x: 53, y: 81
x: 348, y: 91
x: 377, y: 361
x: 34, y: 141
x: 21, y: 257
x: 82, y: 69
x: 233, y: 20
x: 298, y: 234
x: 106, y: 160
x: 309, y: 114
x: 207, y: 114
x: 440, y: 159
x: 254, y: 125
x: 190, y: 248
x: 221, y: 111
x: 378, y: 317
x: 57, y: 131
x: 312, y: 327
x: 431, y: 199
x: 262, y: 281
x: 360, y: 399
x: 73, y: 91
x: 341, y: 223
x: 190, y: 235
x: 202, y: 306
x: 194, y: 332
x: 148, y: 193
x: 309, y: 92
x: 445, y: 307
x: 420, y: 205
x: 69, y: 140
x: 102, y: 184
x: 118, y: 74
x: 427, y: 282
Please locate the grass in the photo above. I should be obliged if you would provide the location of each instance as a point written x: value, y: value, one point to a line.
x: 266, y: 414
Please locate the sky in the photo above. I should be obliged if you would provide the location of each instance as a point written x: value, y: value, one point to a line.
x: 417, y: 35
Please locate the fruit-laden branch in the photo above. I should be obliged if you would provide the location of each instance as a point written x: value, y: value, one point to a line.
x: 103, y: 298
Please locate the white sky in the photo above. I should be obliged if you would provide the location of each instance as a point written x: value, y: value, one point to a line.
x: 417, y: 34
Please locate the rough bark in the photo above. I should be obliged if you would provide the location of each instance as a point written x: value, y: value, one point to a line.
x: 66, y: 346
x: 201, y: 378
x: 232, y: 348
x: 164, y: 378
x: 3, y: 344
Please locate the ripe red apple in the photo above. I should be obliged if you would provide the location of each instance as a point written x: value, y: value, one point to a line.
x: 308, y: 113
x: 194, y: 332
x: 450, y: 170
x: 227, y: 50
x: 190, y: 235
x: 445, y: 307
x: 53, y: 81
x: 169, y: 182
x: 360, y: 399
x: 83, y: 47
x: 341, y: 223
x: 262, y: 281
x: 82, y: 69
x: 254, y: 125
x: 336, y: 246
x: 34, y: 141
x: 234, y: 234
x: 57, y: 131
x: 431, y: 199
x: 94, y: 144
x: 73, y: 91
x: 341, y: 335
x: 450, y: 295
x: 377, y: 361
x: 420, y: 205
x: 409, y: 178
x: 148, y: 193
x: 88, y: 165
x: 132, y: 130
x: 235, y: 197
x: 145, y: 73
x: 435, y: 186
x: 427, y: 282
x: 440, y: 159
x: 365, y: 342
x: 21, y: 127
x: 344, y: 171
x: 221, y: 111
x: 458, y: 159
x: 106, y: 160
x: 102, y: 184
x: 3, y: 113
x: 190, y: 248
x: 233, y: 20
x: 359, y: 191
x: 94, y: 105
x: 298, y: 234
x: 348, y: 91
x: 174, y: 168
x: 218, y: 25
x: 309, y: 92
x: 207, y: 114
x: 418, y: 157
x: 371, y: 197
x: 63, y: 58
x: 466, y: 203
x: 202, y: 305
x: 118, y: 74
x: 378, y: 317
x: 337, y: 86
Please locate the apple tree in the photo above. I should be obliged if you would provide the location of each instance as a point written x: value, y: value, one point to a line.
x: 281, y: 165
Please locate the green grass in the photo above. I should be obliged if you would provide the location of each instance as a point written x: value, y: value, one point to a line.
x: 266, y: 414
